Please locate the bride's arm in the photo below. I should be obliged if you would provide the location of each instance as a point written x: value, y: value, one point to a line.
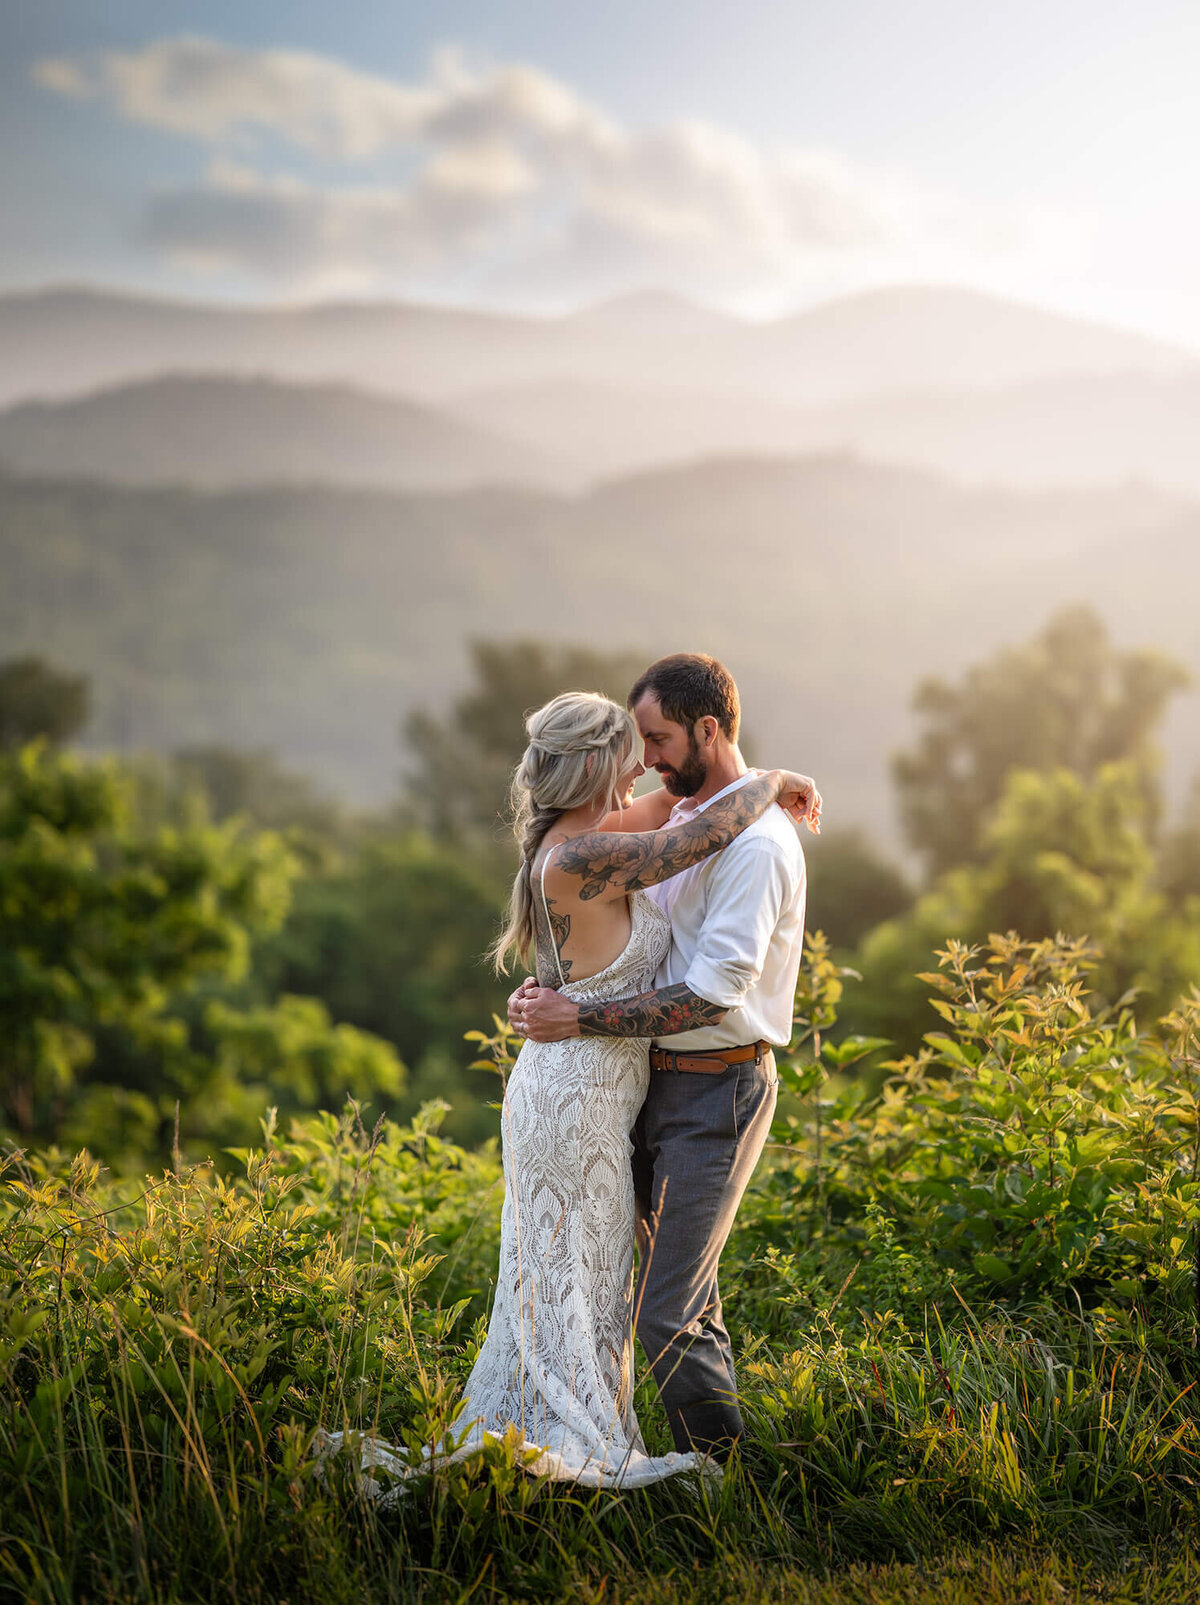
x: 610, y: 864
x: 650, y: 812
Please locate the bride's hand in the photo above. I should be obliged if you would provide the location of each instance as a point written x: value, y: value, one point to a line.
x: 516, y: 1002
x: 798, y: 796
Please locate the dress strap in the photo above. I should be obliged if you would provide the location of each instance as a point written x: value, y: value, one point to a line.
x: 562, y: 980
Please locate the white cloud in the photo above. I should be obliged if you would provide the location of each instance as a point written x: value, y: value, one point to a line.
x: 63, y: 78
x: 286, y: 230
x: 212, y: 91
x: 509, y: 177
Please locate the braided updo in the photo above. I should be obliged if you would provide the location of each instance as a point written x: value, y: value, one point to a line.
x: 578, y: 745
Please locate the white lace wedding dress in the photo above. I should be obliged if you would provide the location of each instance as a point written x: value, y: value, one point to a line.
x: 558, y: 1358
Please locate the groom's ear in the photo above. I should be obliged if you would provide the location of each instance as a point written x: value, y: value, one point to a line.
x: 708, y: 730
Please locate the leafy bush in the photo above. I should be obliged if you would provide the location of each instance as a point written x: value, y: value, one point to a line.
x: 1036, y: 1146
x: 165, y: 1354
x: 122, y: 946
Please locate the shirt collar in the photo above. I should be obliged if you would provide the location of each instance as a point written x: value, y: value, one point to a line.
x: 687, y: 807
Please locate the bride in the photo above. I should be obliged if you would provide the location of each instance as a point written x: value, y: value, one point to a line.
x: 557, y: 1360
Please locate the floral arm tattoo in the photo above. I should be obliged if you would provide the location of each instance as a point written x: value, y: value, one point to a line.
x: 607, y: 860
x: 663, y: 1013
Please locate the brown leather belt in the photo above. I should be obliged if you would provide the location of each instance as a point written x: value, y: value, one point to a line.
x: 709, y: 1062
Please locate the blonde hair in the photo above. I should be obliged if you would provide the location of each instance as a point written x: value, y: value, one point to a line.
x: 578, y: 744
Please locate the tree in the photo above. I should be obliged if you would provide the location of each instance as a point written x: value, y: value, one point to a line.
x: 99, y: 924
x: 298, y: 1057
x: 465, y: 760
x: 39, y: 700
x: 1180, y: 859
x: 1068, y: 699
x: 109, y: 933
x: 1061, y: 854
x: 851, y: 887
x: 393, y: 941
x: 253, y: 782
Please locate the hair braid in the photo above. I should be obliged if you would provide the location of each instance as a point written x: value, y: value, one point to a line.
x: 578, y: 744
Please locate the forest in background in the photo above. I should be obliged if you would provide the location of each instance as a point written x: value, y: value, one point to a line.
x: 195, y: 936
x: 256, y: 617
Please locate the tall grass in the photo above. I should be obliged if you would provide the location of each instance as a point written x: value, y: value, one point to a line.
x: 920, y: 1426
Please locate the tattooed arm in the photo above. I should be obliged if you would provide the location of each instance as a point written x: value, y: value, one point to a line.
x: 663, y: 1013
x: 548, y: 1016
x: 610, y: 864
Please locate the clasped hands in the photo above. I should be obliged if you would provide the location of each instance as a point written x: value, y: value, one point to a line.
x: 540, y: 1014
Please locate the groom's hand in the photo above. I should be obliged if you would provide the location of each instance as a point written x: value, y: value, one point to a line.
x: 540, y: 1014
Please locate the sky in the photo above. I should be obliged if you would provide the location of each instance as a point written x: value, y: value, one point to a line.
x: 757, y: 157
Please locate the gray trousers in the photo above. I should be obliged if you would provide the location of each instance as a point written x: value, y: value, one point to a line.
x: 696, y: 1143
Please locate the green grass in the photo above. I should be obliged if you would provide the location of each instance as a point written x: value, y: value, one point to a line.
x: 964, y: 1312
x: 167, y: 1348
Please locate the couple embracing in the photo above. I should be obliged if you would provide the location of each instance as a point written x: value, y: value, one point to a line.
x: 667, y: 933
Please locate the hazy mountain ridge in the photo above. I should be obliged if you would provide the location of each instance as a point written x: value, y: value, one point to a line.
x: 312, y: 620
x: 64, y: 342
x: 1095, y: 429
x: 743, y: 505
x: 216, y: 430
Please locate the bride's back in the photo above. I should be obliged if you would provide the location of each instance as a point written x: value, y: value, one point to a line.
x: 577, y: 936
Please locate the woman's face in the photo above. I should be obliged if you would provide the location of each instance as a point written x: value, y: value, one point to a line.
x: 631, y: 771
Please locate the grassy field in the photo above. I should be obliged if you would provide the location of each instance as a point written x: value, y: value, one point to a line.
x: 968, y: 1363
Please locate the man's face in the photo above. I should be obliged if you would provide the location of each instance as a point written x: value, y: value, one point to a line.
x: 671, y: 748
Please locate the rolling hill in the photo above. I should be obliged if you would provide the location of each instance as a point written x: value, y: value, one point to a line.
x: 312, y: 619
x: 65, y: 342
x: 1077, y: 430
x: 218, y: 431
x: 214, y: 430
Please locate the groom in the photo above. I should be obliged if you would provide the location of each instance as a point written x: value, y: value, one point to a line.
x: 721, y: 1003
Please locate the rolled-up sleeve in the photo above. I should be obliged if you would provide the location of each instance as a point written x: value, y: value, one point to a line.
x: 750, y: 885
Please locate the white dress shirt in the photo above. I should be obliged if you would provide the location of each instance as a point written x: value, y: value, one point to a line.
x: 737, y: 929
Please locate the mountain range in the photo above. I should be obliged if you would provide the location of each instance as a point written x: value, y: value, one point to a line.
x: 414, y: 397
x: 278, y: 526
x: 1071, y: 430
x: 313, y: 619
x: 65, y: 342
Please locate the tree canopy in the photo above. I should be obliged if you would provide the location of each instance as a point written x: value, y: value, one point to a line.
x: 465, y: 758
x: 1068, y: 699
x: 1062, y: 853
x: 38, y: 700
x: 852, y: 887
x: 109, y: 933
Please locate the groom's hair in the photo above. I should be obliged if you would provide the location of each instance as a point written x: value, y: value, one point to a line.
x: 691, y: 686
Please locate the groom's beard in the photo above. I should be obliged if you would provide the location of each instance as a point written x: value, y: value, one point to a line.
x: 691, y: 774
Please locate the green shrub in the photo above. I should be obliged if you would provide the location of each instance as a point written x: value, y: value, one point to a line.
x: 1031, y: 1148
